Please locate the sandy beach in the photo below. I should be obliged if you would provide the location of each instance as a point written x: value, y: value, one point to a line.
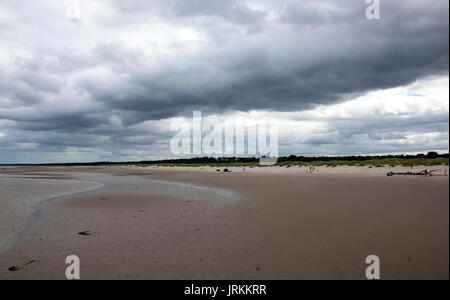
x: 200, y: 223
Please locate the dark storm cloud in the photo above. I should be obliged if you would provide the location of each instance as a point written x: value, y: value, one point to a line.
x: 322, y: 54
x: 126, y: 62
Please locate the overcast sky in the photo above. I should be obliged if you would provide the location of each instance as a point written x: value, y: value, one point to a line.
x: 104, y: 80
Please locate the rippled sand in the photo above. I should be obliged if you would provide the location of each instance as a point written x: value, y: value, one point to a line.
x: 20, y: 196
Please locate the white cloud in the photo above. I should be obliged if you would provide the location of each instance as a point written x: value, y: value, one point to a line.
x: 385, y: 121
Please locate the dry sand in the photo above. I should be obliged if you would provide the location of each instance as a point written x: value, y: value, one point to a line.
x: 270, y: 223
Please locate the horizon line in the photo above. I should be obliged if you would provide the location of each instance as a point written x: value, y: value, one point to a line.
x: 174, y: 160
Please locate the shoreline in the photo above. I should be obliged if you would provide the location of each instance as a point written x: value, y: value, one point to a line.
x: 29, y: 209
x: 35, y: 210
x: 36, y: 215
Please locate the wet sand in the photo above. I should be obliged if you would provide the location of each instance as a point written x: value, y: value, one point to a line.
x: 23, y: 195
x: 257, y: 224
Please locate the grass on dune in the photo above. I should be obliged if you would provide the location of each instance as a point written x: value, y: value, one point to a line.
x: 377, y: 163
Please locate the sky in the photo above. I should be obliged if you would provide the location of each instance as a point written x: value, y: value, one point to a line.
x: 91, y: 80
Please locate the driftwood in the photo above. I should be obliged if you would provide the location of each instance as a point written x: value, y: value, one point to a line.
x: 421, y: 173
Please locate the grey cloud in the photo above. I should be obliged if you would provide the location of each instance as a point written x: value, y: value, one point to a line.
x: 296, y: 69
x: 232, y: 11
x: 284, y: 56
